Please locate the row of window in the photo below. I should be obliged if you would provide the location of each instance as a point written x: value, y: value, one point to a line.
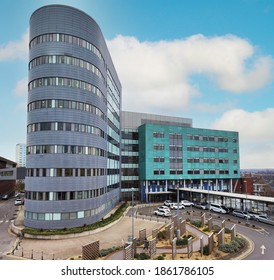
x: 59, y: 37
x: 210, y: 171
x: 64, y: 59
x: 161, y: 147
x: 209, y: 149
x: 171, y: 171
x: 65, y: 172
x: 130, y: 135
x: 172, y: 136
x: 158, y: 134
x: 209, y: 138
x: 66, y: 104
x: 192, y: 171
x: 210, y: 160
x: 69, y: 195
x: 6, y: 173
x: 65, y: 126
x: 65, y: 149
x: 66, y: 82
x: 130, y: 159
x: 65, y: 216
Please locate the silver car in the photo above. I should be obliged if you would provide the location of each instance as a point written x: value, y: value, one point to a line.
x: 241, y: 214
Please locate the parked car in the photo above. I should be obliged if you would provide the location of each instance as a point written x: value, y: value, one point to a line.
x: 187, y: 203
x: 241, y: 214
x: 201, y: 205
x: 163, y: 208
x: 176, y: 206
x: 254, y: 215
x: 264, y: 219
x: 162, y: 212
x: 18, y: 202
x: 167, y: 202
x: 5, y: 197
x: 218, y: 208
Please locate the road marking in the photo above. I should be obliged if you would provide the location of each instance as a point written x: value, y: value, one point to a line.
x: 263, y: 248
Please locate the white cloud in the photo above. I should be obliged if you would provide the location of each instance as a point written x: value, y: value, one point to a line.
x: 256, y: 135
x: 15, y: 49
x: 21, y: 88
x: 157, y: 74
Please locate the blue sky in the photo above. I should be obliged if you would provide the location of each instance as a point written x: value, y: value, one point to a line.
x: 212, y: 61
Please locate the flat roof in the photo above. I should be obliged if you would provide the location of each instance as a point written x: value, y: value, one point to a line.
x: 226, y: 194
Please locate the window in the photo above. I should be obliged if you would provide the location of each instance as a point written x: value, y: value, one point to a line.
x: 158, y: 134
x: 158, y: 147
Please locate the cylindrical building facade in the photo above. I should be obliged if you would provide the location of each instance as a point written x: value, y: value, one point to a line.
x: 73, y: 124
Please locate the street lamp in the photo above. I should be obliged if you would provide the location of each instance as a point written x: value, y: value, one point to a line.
x: 178, y: 214
x: 132, y: 213
x: 245, y: 208
x: 208, y: 186
x: 245, y: 195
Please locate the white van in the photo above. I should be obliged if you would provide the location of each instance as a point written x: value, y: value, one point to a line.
x: 217, y: 208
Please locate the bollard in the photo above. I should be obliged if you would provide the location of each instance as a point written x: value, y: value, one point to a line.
x: 42, y: 257
x: 31, y: 254
x: 22, y: 252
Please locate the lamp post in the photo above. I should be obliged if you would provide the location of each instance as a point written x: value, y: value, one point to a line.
x: 132, y: 213
x: 245, y: 195
x: 208, y: 186
x: 178, y: 214
x: 245, y: 208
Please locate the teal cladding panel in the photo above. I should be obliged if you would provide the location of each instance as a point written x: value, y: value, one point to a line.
x: 175, y: 152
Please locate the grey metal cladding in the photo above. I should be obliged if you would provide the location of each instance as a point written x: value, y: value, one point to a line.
x: 60, y: 19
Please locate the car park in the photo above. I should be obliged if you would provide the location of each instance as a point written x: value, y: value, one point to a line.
x: 162, y: 212
x: 176, y: 206
x: 187, y: 203
x: 241, y: 214
x: 201, y: 205
x: 163, y: 208
x: 167, y: 202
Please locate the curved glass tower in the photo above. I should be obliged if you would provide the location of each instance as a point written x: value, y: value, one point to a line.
x: 73, y: 127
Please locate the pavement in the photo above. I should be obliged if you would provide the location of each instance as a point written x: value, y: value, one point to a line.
x: 115, y: 235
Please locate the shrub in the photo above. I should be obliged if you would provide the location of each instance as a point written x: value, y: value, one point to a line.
x: 206, y: 250
x: 105, y: 252
x: 216, y: 228
x: 160, y: 258
x: 142, y: 256
x: 162, y: 235
x: 183, y: 241
x: 196, y: 223
x: 233, y: 246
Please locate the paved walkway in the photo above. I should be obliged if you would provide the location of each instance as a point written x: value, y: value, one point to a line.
x: 62, y: 249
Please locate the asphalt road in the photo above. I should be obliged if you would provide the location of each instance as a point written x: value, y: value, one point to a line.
x: 7, y: 214
x: 263, y: 240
